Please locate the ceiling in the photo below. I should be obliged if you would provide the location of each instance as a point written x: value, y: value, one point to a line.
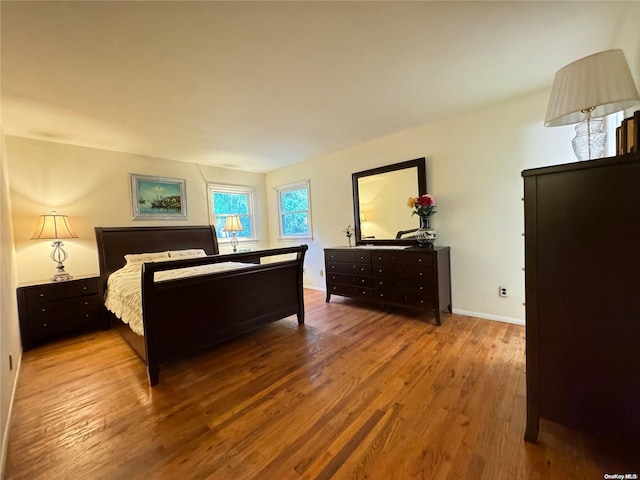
x: 259, y: 85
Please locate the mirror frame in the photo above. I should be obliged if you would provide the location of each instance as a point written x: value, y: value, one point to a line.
x: 421, y: 165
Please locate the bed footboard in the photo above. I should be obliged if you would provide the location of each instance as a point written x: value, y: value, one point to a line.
x: 189, y: 314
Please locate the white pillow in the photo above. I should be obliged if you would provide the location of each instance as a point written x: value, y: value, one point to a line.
x: 132, y: 258
x: 189, y: 253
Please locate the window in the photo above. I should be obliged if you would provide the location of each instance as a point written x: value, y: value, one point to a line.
x: 294, y: 210
x: 227, y: 200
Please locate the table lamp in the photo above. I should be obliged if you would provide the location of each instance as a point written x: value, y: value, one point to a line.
x: 233, y: 225
x: 56, y: 227
x: 587, y: 89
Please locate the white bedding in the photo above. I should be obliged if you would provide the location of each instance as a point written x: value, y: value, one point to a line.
x: 124, y: 296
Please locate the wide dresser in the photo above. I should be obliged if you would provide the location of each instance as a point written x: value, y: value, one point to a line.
x: 413, y: 277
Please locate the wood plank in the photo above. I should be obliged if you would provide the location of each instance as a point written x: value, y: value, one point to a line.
x: 358, y: 392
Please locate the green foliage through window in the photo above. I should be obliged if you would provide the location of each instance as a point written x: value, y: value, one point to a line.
x: 227, y: 201
x: 294, y: 209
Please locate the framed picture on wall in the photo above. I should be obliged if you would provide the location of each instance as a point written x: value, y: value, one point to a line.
x: 158, y: 198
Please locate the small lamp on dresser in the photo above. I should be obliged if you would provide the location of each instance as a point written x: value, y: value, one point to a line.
x: 589, y: 88
x: 233, y: 225
x: 56, y: 227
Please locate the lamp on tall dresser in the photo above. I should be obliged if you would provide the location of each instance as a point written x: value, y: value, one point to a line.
x: 55, y: 227
x: 233, y: 225
x: 587, y: 89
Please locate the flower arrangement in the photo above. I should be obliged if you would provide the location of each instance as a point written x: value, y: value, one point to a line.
x: 423, y: 206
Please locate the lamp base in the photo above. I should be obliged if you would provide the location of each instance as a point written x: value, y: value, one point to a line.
x: 234, y: 242
x: 61, y: 275
x: 590, y: 139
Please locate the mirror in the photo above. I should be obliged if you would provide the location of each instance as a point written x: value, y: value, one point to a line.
x: 380, y: 196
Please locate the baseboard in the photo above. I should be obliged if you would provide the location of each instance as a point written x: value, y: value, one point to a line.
x: 485, y: 316
x: 319, y: 289
x: 488, y: 316
x: 5, y: 434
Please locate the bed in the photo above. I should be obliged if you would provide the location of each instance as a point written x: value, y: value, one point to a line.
x: 184, y: 315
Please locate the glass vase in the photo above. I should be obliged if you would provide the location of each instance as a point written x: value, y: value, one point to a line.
x: 425, y: 234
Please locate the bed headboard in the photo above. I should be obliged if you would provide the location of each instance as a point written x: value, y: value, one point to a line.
x: 115, y: 242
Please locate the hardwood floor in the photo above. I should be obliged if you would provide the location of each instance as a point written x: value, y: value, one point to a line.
x: 357, y: 393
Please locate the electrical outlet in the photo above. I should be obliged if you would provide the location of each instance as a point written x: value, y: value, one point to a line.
x: 503, y: 291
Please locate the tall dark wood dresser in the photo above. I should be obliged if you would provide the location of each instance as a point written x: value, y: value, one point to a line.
x: 582, y: 264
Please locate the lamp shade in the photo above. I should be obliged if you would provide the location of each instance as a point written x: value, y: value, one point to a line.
x: 600, y: 84
x: 233, y: 224
x: 53, y: 226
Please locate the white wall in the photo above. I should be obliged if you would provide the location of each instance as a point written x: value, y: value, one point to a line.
x: 92, y: 187
x: 9, y: 329
x: 474, y: 164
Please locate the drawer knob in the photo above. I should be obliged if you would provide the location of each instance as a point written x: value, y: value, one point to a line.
x: 42, y: 294
x: 84, y: 288
x: 44, y: 324
x: 43, y: 310
x: 419, y: 260
x: 86, y: 303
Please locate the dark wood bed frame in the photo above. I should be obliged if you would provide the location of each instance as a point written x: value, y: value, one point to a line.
x: 186, y: 315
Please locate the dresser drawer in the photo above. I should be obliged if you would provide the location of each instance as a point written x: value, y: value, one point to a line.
x: 349, y: 291
x: 345, y: 279
x: 69, y: 306
x: 58, y: 291
x: 402, y: 259
x: 349, y: 268
x: 403, y: 272
x: 403, y: 285
x: 348, y: 256
x: 415, y: 298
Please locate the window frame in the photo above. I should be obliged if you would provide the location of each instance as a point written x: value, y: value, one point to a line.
x: 280, y: 190
x: 237, y: 189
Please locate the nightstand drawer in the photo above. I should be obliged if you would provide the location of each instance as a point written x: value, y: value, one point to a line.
x: 46, y: 327
x: 69, y: 306
x: 58, y: 291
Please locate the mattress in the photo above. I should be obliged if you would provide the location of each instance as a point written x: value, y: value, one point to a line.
x: 124, y: 288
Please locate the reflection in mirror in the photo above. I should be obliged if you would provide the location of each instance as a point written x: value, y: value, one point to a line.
x: 380, y: 201
x: 383, y: 203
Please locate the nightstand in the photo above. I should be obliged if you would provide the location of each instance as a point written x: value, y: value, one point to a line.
x: 50, y: 310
